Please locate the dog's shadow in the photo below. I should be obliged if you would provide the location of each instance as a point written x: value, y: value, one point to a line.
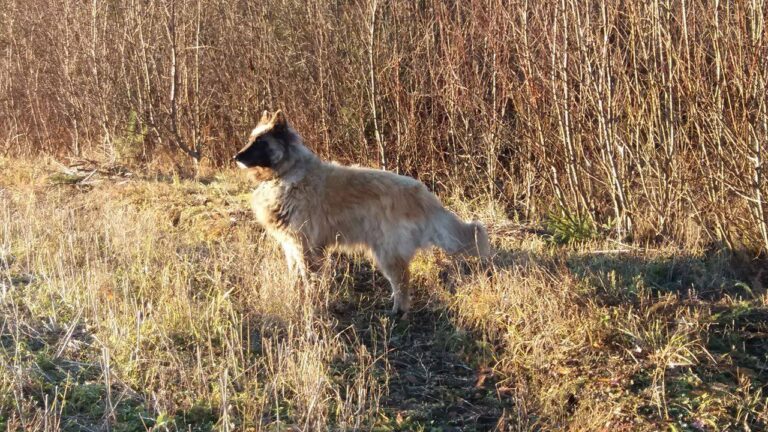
x: 436, y: 373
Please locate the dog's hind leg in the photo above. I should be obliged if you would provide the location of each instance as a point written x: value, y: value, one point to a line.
x: 395, y: 269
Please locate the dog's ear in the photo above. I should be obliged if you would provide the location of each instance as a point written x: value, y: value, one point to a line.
x: 265, y: 117
x: 279, y: 121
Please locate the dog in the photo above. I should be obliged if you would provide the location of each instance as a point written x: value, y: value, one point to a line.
x: 309, y: 205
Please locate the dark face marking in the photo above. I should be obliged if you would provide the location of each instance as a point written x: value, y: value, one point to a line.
x: 256, y: 154
x: 264, y: 149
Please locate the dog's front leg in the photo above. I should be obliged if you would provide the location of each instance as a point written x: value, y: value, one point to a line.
x: 294, y: 259
x: 303, y: 262
x: 311, y: 263
x: 309, y: 266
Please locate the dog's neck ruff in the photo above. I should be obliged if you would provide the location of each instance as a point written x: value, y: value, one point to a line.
x: 303, y: 160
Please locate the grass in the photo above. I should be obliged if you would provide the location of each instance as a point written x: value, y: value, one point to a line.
x: 146, y: 304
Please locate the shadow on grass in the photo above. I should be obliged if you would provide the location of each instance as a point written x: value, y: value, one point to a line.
x: 711, y: 277
x: 722, y: 292
x: 721, y: 284
x: 436, y: 379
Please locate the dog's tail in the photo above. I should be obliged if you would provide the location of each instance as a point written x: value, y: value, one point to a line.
x: 458, y: 237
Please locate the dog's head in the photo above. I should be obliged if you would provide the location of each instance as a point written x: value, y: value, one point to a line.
x: 268, y: 147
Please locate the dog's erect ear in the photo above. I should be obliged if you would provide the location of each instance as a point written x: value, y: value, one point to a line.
x: 278, y: 120
x: 265, y: 117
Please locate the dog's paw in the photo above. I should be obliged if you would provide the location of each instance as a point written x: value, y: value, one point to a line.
x: 398, y: 315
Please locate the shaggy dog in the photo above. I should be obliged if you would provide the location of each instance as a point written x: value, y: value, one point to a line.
x: 309, y: 205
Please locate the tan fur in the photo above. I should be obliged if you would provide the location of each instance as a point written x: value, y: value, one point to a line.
x: 309, y: 205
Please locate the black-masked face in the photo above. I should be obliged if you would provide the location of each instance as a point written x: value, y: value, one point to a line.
x: 265, y: 149
x: 267, y: 146
x: 259, y: 152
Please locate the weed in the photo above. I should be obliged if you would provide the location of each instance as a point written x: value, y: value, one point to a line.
x: 567, y: 228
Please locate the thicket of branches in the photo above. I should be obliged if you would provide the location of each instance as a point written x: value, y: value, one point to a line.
x: 646, y: 117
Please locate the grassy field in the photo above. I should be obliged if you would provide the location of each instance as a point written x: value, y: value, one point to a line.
x: 132, y: 304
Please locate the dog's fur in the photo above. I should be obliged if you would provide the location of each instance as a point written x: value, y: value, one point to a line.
x: 309, y: 205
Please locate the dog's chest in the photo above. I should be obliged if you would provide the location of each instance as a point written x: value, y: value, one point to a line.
x: 274, y: 205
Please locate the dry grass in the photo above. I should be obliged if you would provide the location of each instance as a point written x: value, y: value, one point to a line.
x: 134, y: 304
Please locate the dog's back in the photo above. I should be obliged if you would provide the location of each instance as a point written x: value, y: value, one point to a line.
x: 374, y: 207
